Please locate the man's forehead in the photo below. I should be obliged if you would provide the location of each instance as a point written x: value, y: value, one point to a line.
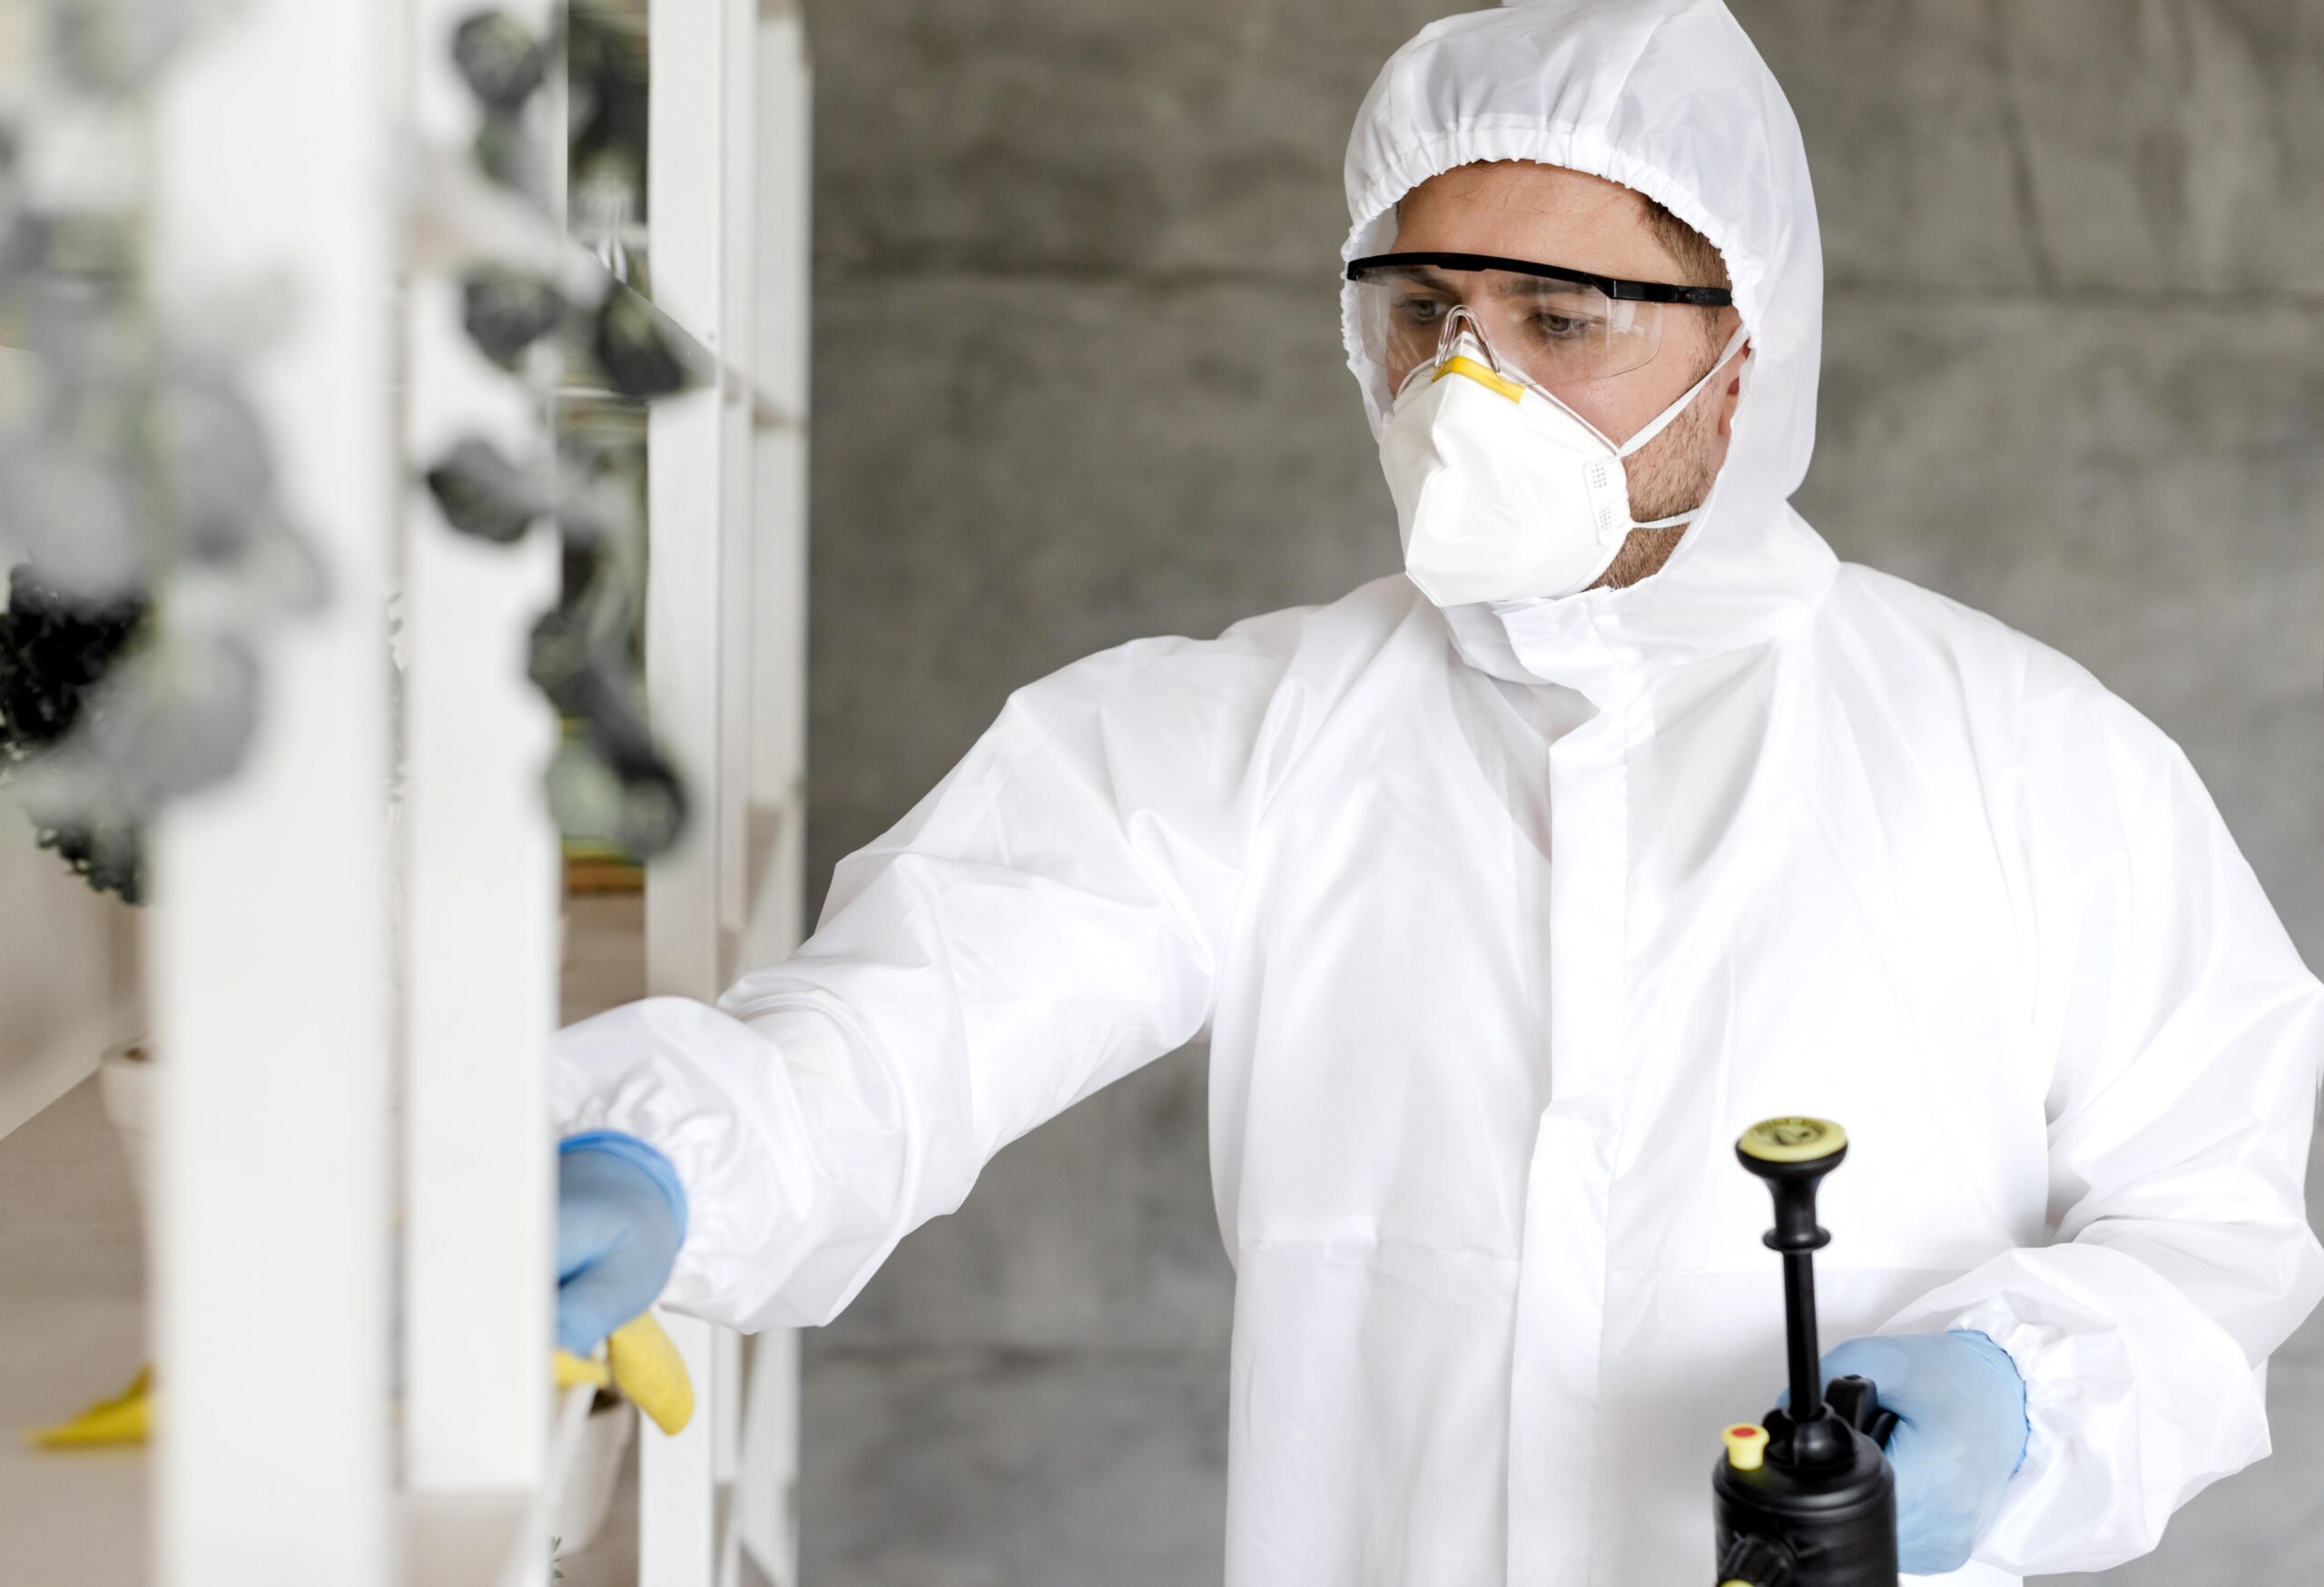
x: 1525, y: 187
x: 1519, y: 209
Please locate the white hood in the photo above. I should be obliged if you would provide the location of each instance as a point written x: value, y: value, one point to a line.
x: 1670, y: 98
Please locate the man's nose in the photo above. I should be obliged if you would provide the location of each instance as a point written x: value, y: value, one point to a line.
x: 1460, y: 321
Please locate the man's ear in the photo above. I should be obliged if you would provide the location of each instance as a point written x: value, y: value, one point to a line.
x: 1732, y: 397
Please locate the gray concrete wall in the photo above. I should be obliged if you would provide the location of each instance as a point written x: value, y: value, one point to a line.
x: 1077, y: 380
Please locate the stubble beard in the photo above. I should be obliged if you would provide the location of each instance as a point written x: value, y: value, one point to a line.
x: 1671, y: 473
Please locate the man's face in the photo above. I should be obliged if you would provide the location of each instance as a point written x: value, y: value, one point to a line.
x: 1515, y: 209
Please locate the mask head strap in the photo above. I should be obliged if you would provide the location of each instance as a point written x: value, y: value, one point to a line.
x: 1662, y: 421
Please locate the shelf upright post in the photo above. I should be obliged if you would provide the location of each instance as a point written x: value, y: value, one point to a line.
x: 764, y: 1522
x: 481, y: 881
x: 697, y: 97
x: 269, y: 951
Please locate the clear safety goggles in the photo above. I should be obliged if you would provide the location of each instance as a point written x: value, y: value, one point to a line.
x: 1558, y: 327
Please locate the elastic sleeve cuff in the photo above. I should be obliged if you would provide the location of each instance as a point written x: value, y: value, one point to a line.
x: 2049, y: 1392
x: 638, y: 1155
x: 2024, y: 1406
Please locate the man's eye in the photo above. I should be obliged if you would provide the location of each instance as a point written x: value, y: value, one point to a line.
x: 1421, y: 310
x: 1563, y: 327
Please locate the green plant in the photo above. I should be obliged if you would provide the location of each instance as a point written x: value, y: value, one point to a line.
x: 609, y: 780
x: 145, y: 544
x: 55, y: 650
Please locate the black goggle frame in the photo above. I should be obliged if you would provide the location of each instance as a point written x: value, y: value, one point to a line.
x: 1613, y: 286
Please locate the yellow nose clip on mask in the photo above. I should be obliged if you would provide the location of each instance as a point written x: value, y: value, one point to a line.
x: 1462, y: 364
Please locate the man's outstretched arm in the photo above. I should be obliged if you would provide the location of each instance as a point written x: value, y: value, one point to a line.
x: 1049, y: 919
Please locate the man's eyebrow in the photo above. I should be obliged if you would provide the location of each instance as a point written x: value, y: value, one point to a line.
x: 1506, y: 283
x: 1535, y: 286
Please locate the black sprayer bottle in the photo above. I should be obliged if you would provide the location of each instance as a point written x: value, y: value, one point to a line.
x: 1807, y: 1500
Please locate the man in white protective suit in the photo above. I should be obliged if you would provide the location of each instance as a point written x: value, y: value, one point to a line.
x: 1510, y: 890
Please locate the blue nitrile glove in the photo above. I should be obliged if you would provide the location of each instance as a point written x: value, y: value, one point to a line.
x: 621, y: 1216
x: 1961, y: 1431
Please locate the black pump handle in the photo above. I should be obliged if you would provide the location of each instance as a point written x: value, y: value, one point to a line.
x: 1793, y: 1154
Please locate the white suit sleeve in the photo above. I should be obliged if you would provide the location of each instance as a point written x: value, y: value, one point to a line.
x: 2187, y: 1035
x: 1046, y: 920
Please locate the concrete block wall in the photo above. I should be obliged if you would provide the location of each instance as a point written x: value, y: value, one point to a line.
x: 1077, y: 380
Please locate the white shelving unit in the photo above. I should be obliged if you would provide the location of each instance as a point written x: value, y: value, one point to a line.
x: 275, y: 1212
x: 342, y: 1146
x: 727, y: 185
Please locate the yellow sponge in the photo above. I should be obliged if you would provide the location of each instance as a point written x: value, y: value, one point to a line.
x: 643, y: 1365
x: 572, y: 1369
x: 123, y: 1419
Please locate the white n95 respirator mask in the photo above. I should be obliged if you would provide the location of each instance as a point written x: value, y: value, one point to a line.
x: 1502, y: 492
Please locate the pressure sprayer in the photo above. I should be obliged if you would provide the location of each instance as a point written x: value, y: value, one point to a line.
x: 1806, y: 1499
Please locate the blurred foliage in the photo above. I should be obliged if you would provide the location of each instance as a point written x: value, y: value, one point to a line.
x: 501, y: 59
x: 115, y: 49
x: 610, y: 782
x: 634, y: 354
x: 145, y: 541
x: 605, y: 105
x: 482, y: 493
x: 505, y: 310
x: 55, y: 650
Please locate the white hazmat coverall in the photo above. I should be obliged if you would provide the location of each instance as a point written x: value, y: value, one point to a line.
x: 1504, y: 921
